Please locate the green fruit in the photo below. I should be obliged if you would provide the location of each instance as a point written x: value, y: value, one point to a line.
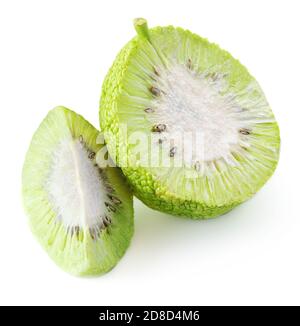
x: 81, y: 214
x: 187, y: 123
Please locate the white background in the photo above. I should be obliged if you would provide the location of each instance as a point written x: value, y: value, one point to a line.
x: 57, y: 53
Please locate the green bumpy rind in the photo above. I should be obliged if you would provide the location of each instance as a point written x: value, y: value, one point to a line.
x: 145, y: 185
x: 78, y: 255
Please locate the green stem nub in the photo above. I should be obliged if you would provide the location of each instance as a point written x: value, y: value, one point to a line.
x: 141, y: 27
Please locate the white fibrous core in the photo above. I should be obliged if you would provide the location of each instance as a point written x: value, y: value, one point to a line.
x: 196, y: 118
x: 75, y: 187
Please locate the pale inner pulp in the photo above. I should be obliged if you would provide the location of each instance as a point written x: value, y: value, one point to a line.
x: 192, y: 107
x: 75, y: 187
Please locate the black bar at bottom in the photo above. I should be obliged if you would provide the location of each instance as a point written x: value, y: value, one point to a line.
x: 133, y: 315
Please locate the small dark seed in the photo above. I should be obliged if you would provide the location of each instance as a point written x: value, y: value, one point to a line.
x: 107, y: 219
x: 105, y: 223
x: 214, y: 76
x: 155, y: 71
x: 81, y: 139
x: 155, y: 91
x: 101, y: 227
x: 115, y: 200
x: 173, y: 151
x: 110, y: 207
x: 245, y: 131
x: 197, y: 166
x: 109, y: 189
x: 160, y: 141
x: 77, y: 230
x: 149, y: 110
x: 189, y: 63
x: 92, y: 155
x: 92, y: 233
x: 159, y: 127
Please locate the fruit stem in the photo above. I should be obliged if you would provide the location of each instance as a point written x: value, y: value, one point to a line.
x: 141, y: 27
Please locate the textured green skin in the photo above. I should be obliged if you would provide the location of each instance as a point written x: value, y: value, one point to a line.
x: 82, y: 255
x: 144, y: 185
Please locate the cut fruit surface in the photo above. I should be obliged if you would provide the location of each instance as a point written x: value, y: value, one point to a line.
x: 187, y: 123
x: 82, y: 214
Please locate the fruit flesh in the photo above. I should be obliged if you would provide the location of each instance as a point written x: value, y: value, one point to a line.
x: 169, y: 84
x: 81, y: 214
